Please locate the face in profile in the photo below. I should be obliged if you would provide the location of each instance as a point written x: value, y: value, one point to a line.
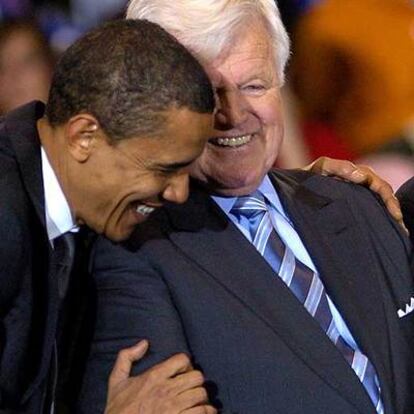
x: 25, y: 69
x: 130, y: 179
x: 249, y: 123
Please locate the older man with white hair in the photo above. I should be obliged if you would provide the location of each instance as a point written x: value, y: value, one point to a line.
x: 290, y: 291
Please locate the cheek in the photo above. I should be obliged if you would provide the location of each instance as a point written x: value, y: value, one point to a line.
x: 271, y: 118
x: 271, y: 112
x: 149, y: 187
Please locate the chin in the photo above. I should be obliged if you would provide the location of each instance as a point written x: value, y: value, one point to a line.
x: 238, y: 187
x: 119, y: 236
x: 244, y: 177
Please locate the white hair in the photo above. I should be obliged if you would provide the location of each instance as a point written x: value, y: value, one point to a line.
x: 207, y: 27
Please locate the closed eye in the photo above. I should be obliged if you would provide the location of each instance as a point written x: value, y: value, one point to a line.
x: 254, y: 88
x: 172, y: 168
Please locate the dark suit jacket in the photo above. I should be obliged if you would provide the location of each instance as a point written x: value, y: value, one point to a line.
x: 194, y: 284
x: 29, y: 300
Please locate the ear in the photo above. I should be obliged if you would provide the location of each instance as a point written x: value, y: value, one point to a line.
x: 81, y: 133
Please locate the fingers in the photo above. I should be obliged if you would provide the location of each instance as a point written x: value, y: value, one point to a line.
x: 191, y: 399
x: 187, y: 381
x: 360, y: 174
x: 339, y: 168
x: 124, y: 361
x: 171, y: 386
x: 385, y: 191
x: 177, y: 364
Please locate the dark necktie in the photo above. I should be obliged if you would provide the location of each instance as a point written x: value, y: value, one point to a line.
x: 64, y: 252
x: 305, y: 284
x: 64, y: 256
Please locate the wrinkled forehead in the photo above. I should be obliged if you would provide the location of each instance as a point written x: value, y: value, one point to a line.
x: 232, y: 41
x: 249, y: 53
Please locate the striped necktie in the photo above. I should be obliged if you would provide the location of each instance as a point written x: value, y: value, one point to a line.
x: 305, y: 284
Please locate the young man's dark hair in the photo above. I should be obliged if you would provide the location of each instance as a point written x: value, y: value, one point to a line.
x: 127, y: 73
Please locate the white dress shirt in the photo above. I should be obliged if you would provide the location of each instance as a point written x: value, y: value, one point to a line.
x: 59, y: 218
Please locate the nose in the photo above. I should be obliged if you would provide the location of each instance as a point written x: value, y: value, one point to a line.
x: 231, y: 109
x: 177, y: 188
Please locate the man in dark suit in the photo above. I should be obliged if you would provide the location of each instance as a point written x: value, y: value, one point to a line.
x: 108, y: 150
x: 288, y: 290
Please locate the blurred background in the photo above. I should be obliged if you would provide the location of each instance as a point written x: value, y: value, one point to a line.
x: 350, y: 83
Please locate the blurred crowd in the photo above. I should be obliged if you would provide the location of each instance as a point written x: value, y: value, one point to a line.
x: 33, y: 33
x: 349, y: 91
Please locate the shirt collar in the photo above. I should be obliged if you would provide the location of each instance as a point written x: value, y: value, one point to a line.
x: 266, y: 188
x: 59, y: 219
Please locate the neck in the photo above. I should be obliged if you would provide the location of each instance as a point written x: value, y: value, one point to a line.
x: 53, y: 143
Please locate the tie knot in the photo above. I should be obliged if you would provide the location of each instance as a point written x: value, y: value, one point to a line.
x: 64, y: 247
x: 250, y: 206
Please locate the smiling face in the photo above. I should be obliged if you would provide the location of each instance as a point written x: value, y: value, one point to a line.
x: 124, y: 182
x: 249, y: 123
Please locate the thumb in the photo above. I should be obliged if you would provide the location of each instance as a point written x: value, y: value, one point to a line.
x: 124, y: 361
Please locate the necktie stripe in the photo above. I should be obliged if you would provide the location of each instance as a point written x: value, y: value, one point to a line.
x: 314, y: 295
x: 332, y: 332
x: 262, y: 235
x: 325, y: 319
x: 305, y: 285
x: 359, y: 365
x: 287, y: 267
x: 302, y: 282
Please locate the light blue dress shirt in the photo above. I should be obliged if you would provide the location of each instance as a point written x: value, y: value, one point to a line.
x: 286, y: 230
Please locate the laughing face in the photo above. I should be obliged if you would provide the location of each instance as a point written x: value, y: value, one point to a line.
x: 249, y: 122
x: 128, y: 180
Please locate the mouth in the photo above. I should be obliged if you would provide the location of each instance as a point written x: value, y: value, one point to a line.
x: 231, y: 142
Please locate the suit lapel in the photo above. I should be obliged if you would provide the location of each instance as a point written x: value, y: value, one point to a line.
x: 26, y: 144
x: 208, y: 239
x: 347, y: 268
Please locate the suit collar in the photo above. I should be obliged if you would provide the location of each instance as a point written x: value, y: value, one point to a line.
x: 26, y: 144
x: 332, y: 238
x: 198, y: 206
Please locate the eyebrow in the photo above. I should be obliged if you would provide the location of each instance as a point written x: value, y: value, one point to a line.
x: 262, y: 75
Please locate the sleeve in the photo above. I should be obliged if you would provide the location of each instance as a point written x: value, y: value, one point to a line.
x: 132, y: 303
x: 12, y: 247
x: 14, y: 261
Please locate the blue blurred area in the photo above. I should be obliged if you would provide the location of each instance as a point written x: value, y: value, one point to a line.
x: 15, y: 8
x: 62, y: 21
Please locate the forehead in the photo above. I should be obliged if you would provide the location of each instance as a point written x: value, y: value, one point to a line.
x: 250, y: 52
